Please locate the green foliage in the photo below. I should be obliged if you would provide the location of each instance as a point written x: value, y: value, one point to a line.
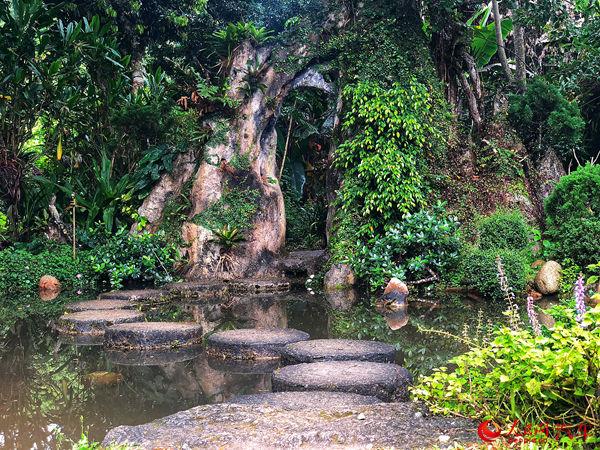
x: 22, y: 266
x: 550, y: 378
x: 505, y: 230
x: 124, y: 257
x: 303, y: 222
x: 569, y: 274
x: 384, y: 160
x: 235, y: 209
x: 573, y: 215
x: 423, y: 241
x: 228, y: 236
x: 483, y: 41
x: 478, y: 270
x: 545, y: 118
x: 228, y: 38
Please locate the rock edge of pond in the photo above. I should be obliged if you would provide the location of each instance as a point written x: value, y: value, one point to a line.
x: 251, y: 426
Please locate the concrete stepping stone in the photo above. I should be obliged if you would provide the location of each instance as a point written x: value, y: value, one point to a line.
x: 141, y: 295
x: 388, y: 382
x: 154, y: 357
x: 95, y: 321
x: 253, y: 343
x: 304, y: 400
x: 153, y: 335
x: 97, y: 305
x: 338, y: 350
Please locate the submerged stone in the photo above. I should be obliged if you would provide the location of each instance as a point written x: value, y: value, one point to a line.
x: 103, y: 378
x: 258, y: 426
x: 153, y: 335
x: 95, y: 322
x: 304, y: 400
x: 338, y: 350
x: 253, y: 343
x: 97, y: 305
x: 388, y: 382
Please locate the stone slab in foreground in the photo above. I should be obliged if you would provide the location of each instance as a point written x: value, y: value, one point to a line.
x: 388, y: 382
x: 97, y: 305
x: 253, y: 343
x: 305, y: 400
x: 231, y: 426
x: 153, y: 335
x: 338, y: 350
x: 95, y: 322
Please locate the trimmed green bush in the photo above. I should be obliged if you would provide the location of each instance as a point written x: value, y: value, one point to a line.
x: 504, y: 229
x: 573, y: 215
x: 479, y: 270
x: 21, y: 268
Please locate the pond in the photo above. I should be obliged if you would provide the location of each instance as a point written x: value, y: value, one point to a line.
x: 50, y: 385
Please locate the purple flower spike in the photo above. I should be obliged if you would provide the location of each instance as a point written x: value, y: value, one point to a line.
x: 533, y: 319
x: 579, y: 299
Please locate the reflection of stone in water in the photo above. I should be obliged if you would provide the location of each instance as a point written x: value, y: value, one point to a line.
x: 252, y: 311
x: 219, y: 386
x: 158, y: 357
x: 341, y: 300
x: 81, y: 340
x: 243, y: 366
x: 397, y: 316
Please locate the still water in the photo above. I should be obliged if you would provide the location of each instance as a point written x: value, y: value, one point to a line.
x: 50, y: 386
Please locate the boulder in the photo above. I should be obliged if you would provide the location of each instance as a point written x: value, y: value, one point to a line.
x: 49, y: 287
x: 339, y: 277
x: 547, y: 279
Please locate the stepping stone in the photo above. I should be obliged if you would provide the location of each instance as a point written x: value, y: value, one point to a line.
x: 95, y: 322
x: 153, y: 335
x: 253, y: 343
x: 243, y: 366
x: 304, y: 400
x: 140, y: 295
x: 388, y: 382
x: 97, y: 305
x: 338, y: 350
x: 155, y: 357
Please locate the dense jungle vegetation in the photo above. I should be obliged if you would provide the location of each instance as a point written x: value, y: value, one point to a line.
x: 453, y: 144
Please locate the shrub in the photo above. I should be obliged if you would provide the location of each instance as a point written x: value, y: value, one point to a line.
x: 573, y: 215
x: 144, y: 257
x: 21, y: 268
x: 505, y: 230
x: 537, y: 379
x: 424, y: 240
x: 478, y: 270
x: 543, y: 117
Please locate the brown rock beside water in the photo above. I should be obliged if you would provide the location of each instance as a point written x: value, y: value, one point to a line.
x: 547, y: 279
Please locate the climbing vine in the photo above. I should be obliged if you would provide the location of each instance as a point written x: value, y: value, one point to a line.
x: 384, y: 162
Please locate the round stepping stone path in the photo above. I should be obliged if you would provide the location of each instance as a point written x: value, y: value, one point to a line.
x: 338, y: 350
x: 98, y: 305
x: 95, y: 321
x: 153, y: 335
x: 388, y: 382
x: 254, y: 343
x: 305, y: 400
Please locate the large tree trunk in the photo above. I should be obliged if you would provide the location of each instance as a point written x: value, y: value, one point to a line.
x: 250, y: 134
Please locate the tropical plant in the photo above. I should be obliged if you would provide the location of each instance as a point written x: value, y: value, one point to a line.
x: 228, y: 236
x: 228, y: 38
x: 419, y: 247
